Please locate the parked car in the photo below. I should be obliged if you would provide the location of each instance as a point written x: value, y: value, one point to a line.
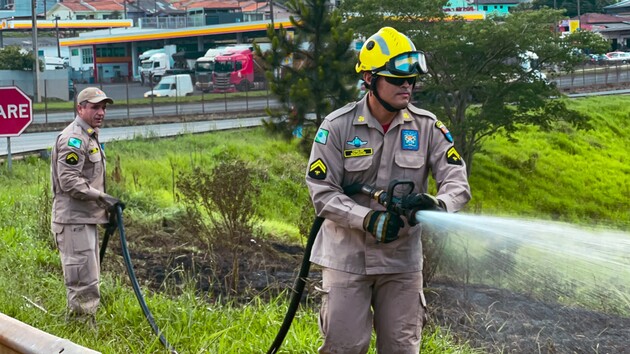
x: 171, y: 86
x: 617, y: 57
x: 597, y: 59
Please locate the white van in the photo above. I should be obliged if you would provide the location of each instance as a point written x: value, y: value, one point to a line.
x: 171, y: 86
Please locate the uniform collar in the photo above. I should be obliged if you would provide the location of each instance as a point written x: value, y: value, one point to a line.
x: 364, y: 117
x: 86, y: 127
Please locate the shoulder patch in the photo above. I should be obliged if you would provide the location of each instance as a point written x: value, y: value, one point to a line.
x: 453, y: 157
x: 75, y: 143
x: 72, y: 158
x: 317, y: 169
x: 444, y: 129
x: 421, y: 112
x: 322, y: 136
x: 341, y: 111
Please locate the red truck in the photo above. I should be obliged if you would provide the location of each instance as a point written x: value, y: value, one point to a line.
x: 238, y: 69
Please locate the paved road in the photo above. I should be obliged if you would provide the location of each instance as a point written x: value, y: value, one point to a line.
x: 33, y: 142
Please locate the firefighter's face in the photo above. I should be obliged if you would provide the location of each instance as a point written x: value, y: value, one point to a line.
x: 92, y: 113
x: 395, y: 91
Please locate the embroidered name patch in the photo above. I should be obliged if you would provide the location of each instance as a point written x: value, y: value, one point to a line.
x: 322, y: 136
x: 72, y: 158
x: 452, y: 157
x: 317, y: 169
x: 75, y: 143
x: 358, y: 152
x: 409, y: 139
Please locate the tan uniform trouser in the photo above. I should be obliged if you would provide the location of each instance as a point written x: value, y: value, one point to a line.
x: 78, y: 248
x: 351, y: 303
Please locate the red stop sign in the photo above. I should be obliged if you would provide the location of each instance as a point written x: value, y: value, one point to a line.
x: 16, y: 111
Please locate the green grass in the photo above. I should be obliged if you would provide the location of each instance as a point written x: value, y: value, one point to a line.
x: 568, y: 175
x: 575, y: 176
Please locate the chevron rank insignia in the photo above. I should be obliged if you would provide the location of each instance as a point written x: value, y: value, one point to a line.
x: 317, y: 169
x: 452, y: 157
x: 72, y: 158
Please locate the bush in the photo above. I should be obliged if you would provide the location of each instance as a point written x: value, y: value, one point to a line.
x: 221, y: 204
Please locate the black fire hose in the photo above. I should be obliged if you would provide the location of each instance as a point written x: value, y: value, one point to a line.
x: 110, y: 229
x: 298, y: 289
x: 300, y: 282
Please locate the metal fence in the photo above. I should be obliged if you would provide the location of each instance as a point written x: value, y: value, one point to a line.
x: 130, y: 101
x: 53, y: 90
x: 58, y: 100
x: 592, y: 76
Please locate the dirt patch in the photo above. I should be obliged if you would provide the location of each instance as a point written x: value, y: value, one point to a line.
x: 494, y: 320
x: 501, y: 321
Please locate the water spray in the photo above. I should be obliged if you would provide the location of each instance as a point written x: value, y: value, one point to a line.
x: 575, y: 265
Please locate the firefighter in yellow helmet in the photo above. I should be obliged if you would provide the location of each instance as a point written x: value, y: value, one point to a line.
x: 371, y: 258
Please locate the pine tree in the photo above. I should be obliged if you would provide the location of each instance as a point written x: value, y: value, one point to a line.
x: 311, y: 71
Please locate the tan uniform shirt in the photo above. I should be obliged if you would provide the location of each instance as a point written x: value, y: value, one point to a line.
x: 78, y: 176
x: 349, y: 148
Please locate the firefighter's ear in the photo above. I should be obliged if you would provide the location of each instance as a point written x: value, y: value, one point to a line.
x: 367, y: 78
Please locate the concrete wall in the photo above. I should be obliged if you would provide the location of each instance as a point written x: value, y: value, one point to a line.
x: 52, y: 83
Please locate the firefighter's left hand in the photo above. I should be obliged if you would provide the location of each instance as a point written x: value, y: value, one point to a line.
x: 420, y: 201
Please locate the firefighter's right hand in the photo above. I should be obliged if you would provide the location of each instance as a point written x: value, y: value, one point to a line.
x: 383, y: 225
x: 111, y: 203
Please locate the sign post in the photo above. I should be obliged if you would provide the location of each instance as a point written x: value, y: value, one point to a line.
x: 16, y: 113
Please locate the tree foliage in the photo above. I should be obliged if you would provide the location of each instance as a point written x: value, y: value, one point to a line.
x: 13, y: 58
x: 311, y: 71
x: 477, y: 79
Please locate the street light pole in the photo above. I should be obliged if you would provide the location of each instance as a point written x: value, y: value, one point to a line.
x: 36, y: 97
x: 271, y: 10
x: 57, y: 30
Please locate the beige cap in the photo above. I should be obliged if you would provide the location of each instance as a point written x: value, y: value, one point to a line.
x: 93, y: 95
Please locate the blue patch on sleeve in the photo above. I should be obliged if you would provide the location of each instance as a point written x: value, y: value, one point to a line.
x: 75, y: 143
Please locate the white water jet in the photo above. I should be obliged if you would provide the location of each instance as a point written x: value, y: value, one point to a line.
x: 556, y: 261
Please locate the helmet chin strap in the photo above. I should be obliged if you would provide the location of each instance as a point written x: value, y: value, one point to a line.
x: 385, y: 105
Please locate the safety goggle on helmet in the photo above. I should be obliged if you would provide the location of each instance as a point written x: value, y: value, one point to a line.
x: 391, y: 53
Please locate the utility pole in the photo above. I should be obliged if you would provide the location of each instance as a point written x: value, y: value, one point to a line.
x: 579, y: 15
x: 57, y: 30
x: 271, y: 10
x: 36, y: 96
